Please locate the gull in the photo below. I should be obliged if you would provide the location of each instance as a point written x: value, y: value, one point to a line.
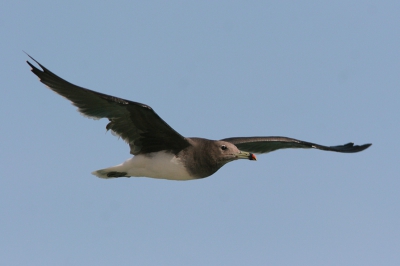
x: 159, y: 151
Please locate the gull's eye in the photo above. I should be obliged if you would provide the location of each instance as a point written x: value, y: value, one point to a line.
x: 223, y: 147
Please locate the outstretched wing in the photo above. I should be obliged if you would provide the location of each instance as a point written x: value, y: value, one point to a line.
x: 268, y: 144
x: 134, y: 122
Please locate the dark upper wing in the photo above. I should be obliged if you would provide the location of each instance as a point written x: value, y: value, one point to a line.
x: 268, y: 144
x: 136, y: 123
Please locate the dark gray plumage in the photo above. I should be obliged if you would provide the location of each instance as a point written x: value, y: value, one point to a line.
x: 267, y: 144
x: 159, y: 150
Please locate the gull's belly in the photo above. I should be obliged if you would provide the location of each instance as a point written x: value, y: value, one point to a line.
x: 157, y: 165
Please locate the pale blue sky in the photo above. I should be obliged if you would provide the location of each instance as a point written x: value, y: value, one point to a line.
x: 317, y: 71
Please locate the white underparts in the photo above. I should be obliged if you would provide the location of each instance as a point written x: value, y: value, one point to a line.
x: 162, y: 165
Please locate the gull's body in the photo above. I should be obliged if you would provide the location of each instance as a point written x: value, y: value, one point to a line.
x: 157, y: 165
x: 159, y: 151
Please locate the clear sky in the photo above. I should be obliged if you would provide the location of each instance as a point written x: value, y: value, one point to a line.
x: 321, y: 71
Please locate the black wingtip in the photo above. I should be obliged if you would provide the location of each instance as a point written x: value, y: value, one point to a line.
x: 35, y: 70
x: 29, y: 63
x: 30, y: 57
x: 365, y: 146
x: 32, y: 66
x: 350, y: 147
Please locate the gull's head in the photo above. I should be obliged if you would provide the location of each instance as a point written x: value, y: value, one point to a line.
x: 229, y: 152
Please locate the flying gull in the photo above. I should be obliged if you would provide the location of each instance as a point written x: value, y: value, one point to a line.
x: 159, y: 151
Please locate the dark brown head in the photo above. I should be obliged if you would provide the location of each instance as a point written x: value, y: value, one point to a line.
x: 205, y: 157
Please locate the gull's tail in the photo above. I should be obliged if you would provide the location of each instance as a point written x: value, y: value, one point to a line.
x: 111, y: 172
